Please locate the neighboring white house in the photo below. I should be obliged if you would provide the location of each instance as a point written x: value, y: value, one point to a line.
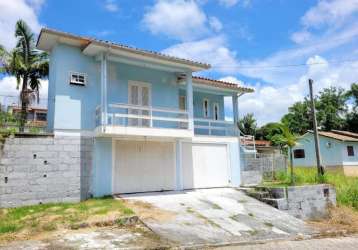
x: 339, y: 150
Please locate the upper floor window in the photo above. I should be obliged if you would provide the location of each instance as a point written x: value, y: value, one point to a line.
x: 298, y: 153
x: 216, y: 111
x: 206, y: 108
x: 77, y: 78
x: 350, y: 150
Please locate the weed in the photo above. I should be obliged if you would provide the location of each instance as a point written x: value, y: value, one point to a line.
x: 268, y: 224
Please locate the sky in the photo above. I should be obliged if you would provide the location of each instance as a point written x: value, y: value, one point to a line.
x: 274, y: 46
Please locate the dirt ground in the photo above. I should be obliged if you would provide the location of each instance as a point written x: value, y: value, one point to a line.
x: 341, y: 221
x: 94, y: 238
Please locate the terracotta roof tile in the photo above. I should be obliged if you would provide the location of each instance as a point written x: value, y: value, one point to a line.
x: 221, y: 84
x: 338, y: 136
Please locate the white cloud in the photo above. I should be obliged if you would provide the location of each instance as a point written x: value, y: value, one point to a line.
x: 211, y: 50
x: 270, y: 102
x: 111, y: 5
x: 215, y: 24
x: 180, y: 19
x: 232, y: 79
x: 228, y: 3
x: 11, y: 12
x: 231, y: 3
x: 332, y: 12
x: 301, y: 36
x: 8, y: 87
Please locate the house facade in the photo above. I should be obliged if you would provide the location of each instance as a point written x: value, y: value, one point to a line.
x: 339, y: 150
x: 154, y: 126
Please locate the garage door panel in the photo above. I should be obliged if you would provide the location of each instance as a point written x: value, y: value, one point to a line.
x: 205, y: 165
x: 143, y: 167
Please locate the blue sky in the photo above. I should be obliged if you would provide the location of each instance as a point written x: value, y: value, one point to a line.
x: 249, y: 42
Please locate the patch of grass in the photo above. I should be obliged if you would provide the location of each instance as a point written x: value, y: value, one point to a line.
x: 235, y: 217
x: 200, y: 216
x: 242, y: 201
x: 50, y: 217
x: 346, y: 187
x: 49, y: 226
x: 268, y: 224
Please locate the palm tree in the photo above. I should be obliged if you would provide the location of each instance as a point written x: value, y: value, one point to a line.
x: 247, y: 124
x: 286, y: 139
x: 27, y: 64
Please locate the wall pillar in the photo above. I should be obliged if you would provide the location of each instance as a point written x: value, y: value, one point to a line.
x: 189, y: 100
x: 235, y: 108
x: 179, y: 166
x: 104, y: 105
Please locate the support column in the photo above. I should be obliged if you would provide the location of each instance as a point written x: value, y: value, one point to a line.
x: 189, y: 100
x: 179, y: 166
x: 235, y: 109
x: 104, y: 105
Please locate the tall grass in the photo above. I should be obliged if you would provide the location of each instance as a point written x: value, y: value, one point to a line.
x: 346, y: 187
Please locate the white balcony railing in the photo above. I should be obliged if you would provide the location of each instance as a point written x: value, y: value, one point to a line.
x: 215, y: 127
x: 129, y: 115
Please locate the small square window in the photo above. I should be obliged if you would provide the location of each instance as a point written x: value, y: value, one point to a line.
x: 299, y: 153
x: 350, y: 150
x: 77, y: 78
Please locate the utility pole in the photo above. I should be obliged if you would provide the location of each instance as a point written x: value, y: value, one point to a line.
x: 320, y: 169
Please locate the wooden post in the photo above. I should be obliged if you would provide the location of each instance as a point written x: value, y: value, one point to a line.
x: 315, y: 130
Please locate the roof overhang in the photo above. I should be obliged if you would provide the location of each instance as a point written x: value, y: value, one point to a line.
x: 48, y: 38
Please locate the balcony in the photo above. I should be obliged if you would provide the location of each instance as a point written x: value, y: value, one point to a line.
x: 136, y: 120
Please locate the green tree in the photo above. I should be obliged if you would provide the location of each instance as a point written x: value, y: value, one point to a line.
x: 285, y: 139
x: 298, y: 118
x: 27, y: 64
x: 352, y: 117
x: 248, y: 125
x: 267, y: 131
x: 332, y: 108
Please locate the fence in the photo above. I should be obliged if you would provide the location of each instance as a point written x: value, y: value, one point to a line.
x: 262, y: 167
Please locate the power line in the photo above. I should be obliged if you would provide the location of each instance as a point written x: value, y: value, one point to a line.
x: 281, y: 65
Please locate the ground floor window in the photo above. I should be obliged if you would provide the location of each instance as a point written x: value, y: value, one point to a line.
x: 299, y: 153
x: 350, y: 150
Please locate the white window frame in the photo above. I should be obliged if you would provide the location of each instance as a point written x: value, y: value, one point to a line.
x: 217, y: 106
x: 206, y: 113
x: 84, y: 83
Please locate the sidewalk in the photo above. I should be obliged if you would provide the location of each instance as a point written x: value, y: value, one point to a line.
x: 345, y: 243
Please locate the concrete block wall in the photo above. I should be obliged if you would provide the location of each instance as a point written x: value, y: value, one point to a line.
x: 45, y: 169
x: 306, y: 202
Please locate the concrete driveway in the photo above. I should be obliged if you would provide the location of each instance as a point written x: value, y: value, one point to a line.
x: 213, y: 216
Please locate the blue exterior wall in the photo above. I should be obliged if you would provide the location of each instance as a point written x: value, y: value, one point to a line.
x: 102, y: 167
x: 74, y: 105
x: 333, y: 155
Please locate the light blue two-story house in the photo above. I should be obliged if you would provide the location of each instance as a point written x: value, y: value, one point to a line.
x: 154, y: 125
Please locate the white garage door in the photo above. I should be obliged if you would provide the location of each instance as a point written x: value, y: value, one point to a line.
x: 143, y: 166
x: 205, y: 165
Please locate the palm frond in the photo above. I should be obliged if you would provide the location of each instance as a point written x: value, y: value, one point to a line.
x: 25, y: 40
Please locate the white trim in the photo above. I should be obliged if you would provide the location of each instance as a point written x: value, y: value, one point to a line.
x: 206, y: 113
x: 214, y: 139
x: 144, y: 131
x: 74, y: 132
